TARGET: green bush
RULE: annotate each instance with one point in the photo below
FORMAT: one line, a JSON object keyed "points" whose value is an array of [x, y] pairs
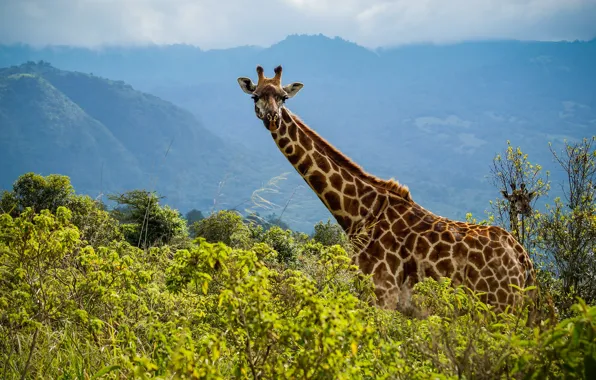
{"points": [[70, 310], [330, 234], [224, 226]]}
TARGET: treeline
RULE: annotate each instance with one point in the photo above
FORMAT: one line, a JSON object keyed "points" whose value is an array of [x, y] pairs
{"points": [[139, 291]]}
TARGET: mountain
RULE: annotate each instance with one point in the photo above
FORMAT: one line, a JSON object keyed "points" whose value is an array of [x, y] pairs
{"points": [[109, 137], [43, 130], [431, 116]]}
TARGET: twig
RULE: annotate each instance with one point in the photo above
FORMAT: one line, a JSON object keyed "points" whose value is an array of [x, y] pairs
{"points": [[33, 343]]}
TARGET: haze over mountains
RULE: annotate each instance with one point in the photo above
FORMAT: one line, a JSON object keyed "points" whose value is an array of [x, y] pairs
{"points": [[433, 117]]}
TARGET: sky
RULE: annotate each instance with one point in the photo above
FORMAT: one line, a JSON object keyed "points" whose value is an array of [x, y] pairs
{"points": [[216, 24]]}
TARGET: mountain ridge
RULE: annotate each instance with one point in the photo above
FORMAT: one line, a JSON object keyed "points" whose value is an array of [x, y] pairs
{"points": [[431, 116]]}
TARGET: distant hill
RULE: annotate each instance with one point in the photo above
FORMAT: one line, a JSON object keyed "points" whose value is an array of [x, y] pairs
{"points": [[432, 116], [43, 130], [109, 137]]}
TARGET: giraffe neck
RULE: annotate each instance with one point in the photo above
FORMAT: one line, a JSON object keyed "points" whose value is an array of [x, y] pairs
{"points": [[348, 192]]}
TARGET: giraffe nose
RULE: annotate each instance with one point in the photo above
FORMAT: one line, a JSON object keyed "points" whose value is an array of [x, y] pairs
{"points": [[272, 116]]}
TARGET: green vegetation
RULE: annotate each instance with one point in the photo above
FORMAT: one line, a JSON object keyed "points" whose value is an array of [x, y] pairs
{"points": [[84, 295]]}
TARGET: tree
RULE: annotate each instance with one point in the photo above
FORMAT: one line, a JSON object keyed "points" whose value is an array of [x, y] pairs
{"points": [[193, 215], [38, 192], [568, 228], [224, 226], [330, 234], [145, 223]]}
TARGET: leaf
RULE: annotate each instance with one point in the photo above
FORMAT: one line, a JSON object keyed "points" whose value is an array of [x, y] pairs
{"points": [[105, 370], [354, 348]]}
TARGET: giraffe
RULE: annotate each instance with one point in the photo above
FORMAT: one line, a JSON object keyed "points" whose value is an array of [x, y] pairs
{"points": [[519, 207], [397, 240]]}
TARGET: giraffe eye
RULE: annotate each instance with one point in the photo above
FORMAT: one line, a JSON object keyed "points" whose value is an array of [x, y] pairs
{"points": [[255, 98]]}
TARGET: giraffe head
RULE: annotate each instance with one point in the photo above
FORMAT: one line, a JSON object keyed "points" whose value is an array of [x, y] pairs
{"points": [[269, 95], [520, 199]]}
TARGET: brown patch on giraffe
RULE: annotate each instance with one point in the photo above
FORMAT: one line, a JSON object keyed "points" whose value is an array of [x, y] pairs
{"points": [[304, 140], [363, 211], [399, 227], [292, 131], [487, 252], [482, 285], [286, 116], [483, 239], [274, 135], [350, 190], [298, 153], [335, 181], [473, 243], [472, 274], [321, 161], [429, 271], [283, 129], [447, 237], [318, 181], [477, 259], [457, 279], [502, 296], [283, 142], [410, 270], [459, 252], [376, 250], [392, 261], [392, 214], [333, 200], [510, 299], [432, 237], [486, 272], [368, 199], [361, 188], [377, 232], [388, 241], [365, 263], [494, 244], [422, 247], [492, 282], [380, 294], [289, 150], [304, 165], [506, 261], [350, 205], [344, 221], [445, 267], [408, 246], [345, 175], [438, 226]]}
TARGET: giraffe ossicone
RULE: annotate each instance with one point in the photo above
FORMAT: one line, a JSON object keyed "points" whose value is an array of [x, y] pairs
{"points": [[396, 240]]}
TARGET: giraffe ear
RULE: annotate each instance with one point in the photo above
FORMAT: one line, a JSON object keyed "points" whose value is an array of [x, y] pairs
{"points": [[505, 195], [292, 89], [247, 85], [531, 195]]}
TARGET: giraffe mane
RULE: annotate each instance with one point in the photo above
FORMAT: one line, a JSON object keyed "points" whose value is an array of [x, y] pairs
{"points": [[343, 161]]}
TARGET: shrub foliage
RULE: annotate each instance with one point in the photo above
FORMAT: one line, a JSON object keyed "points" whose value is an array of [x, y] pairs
{"points": [[276, 306]]}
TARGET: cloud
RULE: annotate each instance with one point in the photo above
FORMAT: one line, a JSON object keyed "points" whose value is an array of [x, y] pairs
{"points": [[226, 23]]}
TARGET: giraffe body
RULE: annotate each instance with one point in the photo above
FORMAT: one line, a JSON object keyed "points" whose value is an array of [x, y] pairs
{"points": [[397, 241]]}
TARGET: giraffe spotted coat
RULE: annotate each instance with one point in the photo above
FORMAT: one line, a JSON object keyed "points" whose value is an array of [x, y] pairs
{"points": [[397, 241]]}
